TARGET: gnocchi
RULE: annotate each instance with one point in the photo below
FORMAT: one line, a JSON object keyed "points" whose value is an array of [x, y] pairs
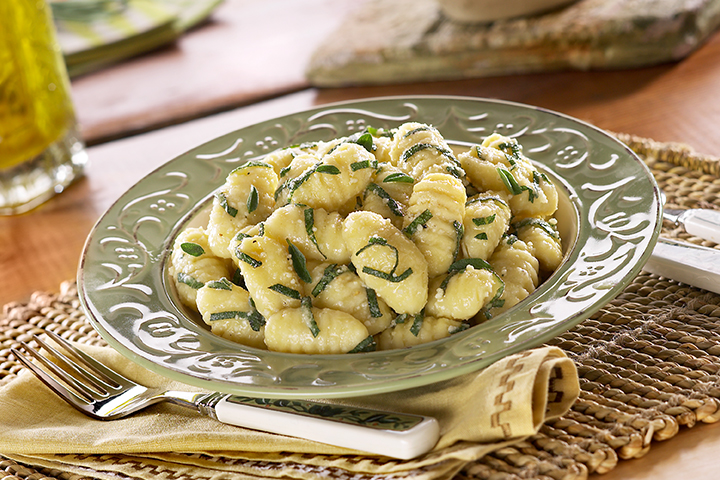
{"points": [[381, 240]]}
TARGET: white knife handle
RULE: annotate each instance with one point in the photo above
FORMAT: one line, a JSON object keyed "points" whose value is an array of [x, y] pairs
{"points": [[703, 223], [391, 434], [687, 263]]}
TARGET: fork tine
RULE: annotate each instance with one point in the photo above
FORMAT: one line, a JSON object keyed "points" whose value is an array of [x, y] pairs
{"points": [[108, 376], [94, 387], [76, 399]]}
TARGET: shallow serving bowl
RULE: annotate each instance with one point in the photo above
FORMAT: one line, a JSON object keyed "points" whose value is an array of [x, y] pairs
{"points": [[609, 218]]}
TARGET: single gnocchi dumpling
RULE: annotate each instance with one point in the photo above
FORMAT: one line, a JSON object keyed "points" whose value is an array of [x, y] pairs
{"points": [[419, 149], [535, 197], [315, 331], [518, 269], [192, 264], [300, 165], [464, 291], [295, 223], [246, 198], [269, 275], [416, 330], [498, 165], [281, 159], [487, 218], [543, 241], [434, 220], [339, 178], [336, 286], [228, 310], [387, 261], [389, 193]]}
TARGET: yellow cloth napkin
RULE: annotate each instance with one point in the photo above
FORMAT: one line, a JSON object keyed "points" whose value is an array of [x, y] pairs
{"points": [[478, 413]]}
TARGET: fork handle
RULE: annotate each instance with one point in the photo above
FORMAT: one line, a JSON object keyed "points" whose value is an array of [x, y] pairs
{"points": [[391, 434]]}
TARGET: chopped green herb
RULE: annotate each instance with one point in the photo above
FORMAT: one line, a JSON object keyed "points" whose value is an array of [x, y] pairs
{"points": [[459, 232], [366, 141], [390, 277], [255, 319], [306, 305], [490, 198], [330, 273], [253, 199], [249, 165], [373, 304], [484, 220], [418, 147], [510, 182], [401, 318], [284, 171], [394, 206], [189, 281], [287, 291], [238, 278], [496, 301], [513, 186], [309, 215], [367, 345], [241, 236], [481, 236], [460, 266], [476, 263], [421, 219], [460, 328], [228, 315], [398, 177], [299, 262], [192, 249], [232, 211], [380, 132], [539, 223], [329, 169], [455, 171], [512, 152], [222, 284], [417, 323], [355, 166], [279, 190], [424, 128], [247, 258]]}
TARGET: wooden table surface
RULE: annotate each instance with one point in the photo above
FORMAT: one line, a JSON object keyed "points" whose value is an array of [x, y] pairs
{"points": [[250, 70]]}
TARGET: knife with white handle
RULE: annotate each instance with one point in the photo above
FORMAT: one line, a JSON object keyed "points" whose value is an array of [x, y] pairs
{"points": [[701, 222], [687, 263], [392, 434]]}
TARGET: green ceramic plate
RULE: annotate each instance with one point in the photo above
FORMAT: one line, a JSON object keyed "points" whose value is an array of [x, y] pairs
{"points": [[609, 218]]}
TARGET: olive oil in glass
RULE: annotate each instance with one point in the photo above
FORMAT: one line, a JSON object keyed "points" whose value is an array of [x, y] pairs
{"points": [[41, 151]]}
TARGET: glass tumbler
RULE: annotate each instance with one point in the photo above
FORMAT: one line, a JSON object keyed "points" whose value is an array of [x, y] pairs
{"points": [[41, 151]]}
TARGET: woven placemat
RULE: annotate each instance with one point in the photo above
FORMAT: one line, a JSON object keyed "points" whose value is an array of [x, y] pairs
{"points": [[648, 361]]}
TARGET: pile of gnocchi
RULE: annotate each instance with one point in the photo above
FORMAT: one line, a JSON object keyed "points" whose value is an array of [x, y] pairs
{"points": [[381, 240]]}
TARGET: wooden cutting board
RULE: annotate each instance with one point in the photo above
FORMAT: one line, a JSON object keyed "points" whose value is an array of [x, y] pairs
{"points": [[390, 41]]}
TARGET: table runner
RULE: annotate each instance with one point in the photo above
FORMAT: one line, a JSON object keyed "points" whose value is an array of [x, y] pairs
{"points": [[648, 362]]}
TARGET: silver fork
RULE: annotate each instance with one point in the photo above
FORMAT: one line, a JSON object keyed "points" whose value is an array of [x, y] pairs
{"points": [[104, 394]]}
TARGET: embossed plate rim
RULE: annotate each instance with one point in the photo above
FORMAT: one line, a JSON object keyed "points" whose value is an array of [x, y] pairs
{"points": [[128, 302]]}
